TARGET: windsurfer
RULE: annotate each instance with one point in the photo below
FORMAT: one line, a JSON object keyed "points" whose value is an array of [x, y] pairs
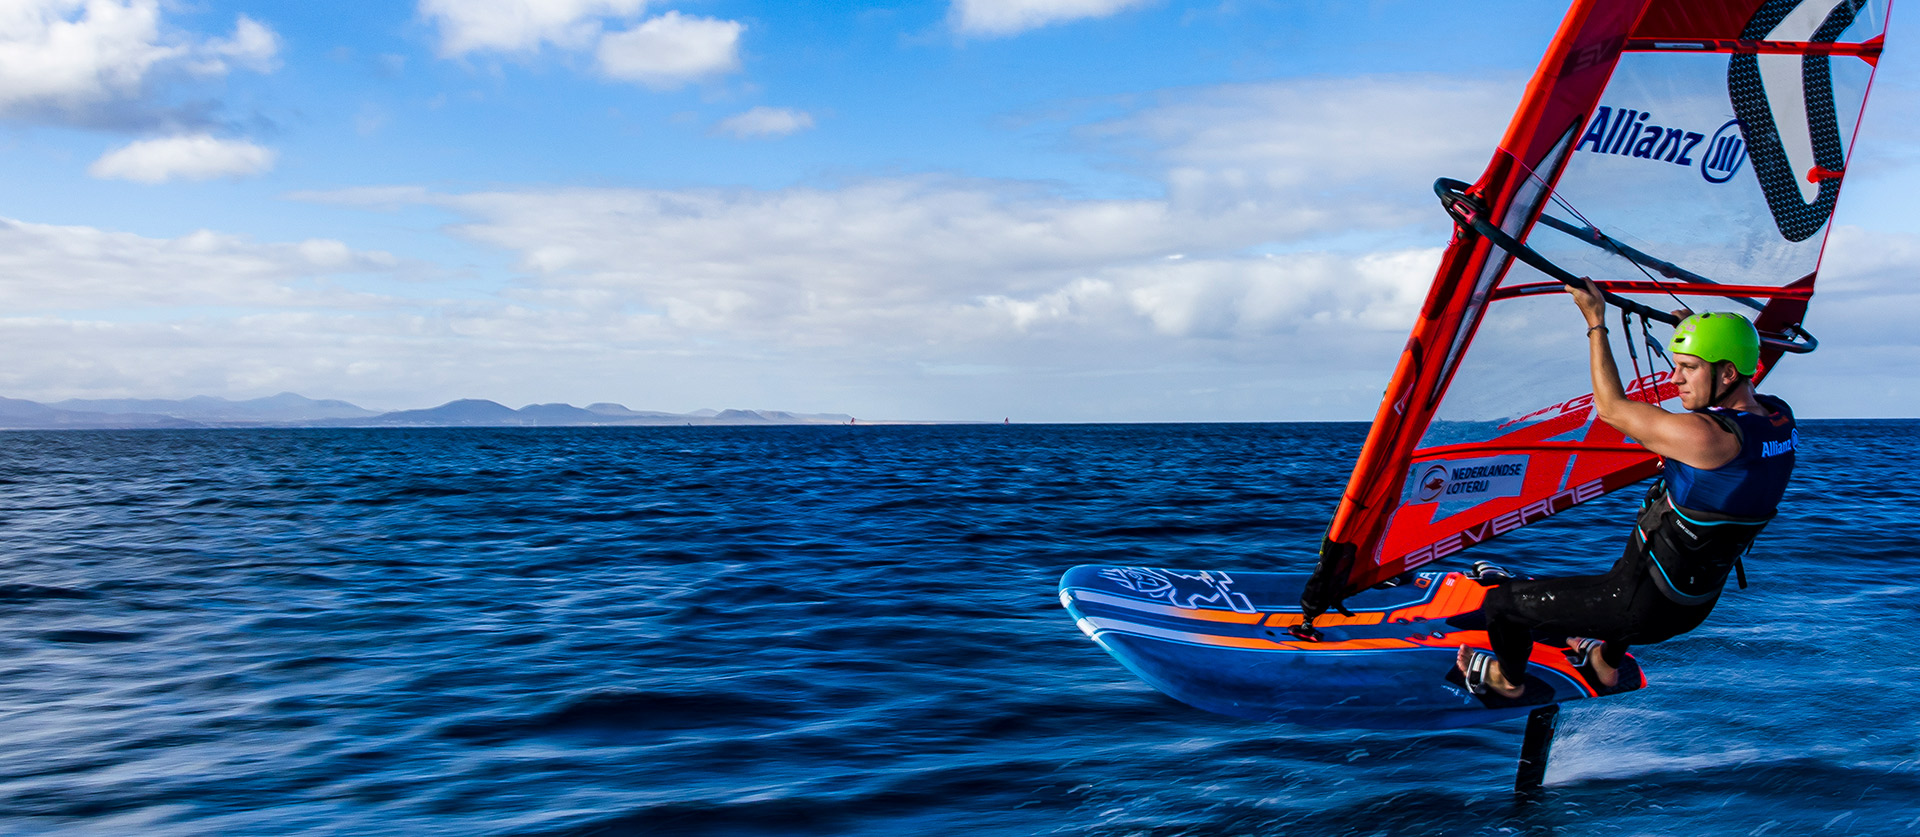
{"points": [[1726, 465]]}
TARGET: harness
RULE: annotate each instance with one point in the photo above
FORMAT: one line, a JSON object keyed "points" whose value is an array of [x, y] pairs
{"points": [[1692, 551]]}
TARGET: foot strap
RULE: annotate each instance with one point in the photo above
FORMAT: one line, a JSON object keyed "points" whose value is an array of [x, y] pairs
{"points": [[1477, 672], [1581, 651]]}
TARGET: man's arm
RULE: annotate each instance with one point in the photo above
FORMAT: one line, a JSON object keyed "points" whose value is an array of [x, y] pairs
{"points": [[1689, 437]]}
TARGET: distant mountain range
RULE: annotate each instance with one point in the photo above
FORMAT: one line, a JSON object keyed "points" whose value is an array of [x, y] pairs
{"points": [[290, 410]]}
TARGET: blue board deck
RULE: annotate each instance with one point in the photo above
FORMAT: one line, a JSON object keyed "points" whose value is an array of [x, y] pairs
{"points": [[1219, 641]]}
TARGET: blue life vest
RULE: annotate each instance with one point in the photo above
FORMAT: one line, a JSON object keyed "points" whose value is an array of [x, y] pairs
{"points": [[1751, 485], [1696, 522]]}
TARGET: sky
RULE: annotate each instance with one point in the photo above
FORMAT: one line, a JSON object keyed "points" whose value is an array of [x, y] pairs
{"points": [[1040, 210]]}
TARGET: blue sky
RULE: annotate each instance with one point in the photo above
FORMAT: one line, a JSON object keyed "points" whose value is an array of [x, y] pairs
{"points": [[1049, 210]]}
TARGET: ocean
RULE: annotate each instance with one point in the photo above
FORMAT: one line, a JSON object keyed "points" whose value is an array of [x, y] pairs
{"points": [[849, 631]]}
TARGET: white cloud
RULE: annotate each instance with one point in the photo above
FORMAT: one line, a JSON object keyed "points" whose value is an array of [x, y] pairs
{"points": [[1306, 238], [886, 239], [185, 157], [888, 265], [91, 312], [45, 269], [382, 198], [73, 61], [521, 25], [662, 52], [766, 122], [253, 46], [1009, 17], [878, 296], [1359, 151], [1237, 298], [67, 52], [671, 50]]}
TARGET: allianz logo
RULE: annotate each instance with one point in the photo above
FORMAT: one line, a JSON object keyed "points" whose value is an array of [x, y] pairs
{"points": [[1628, 132], [1776, 448]]}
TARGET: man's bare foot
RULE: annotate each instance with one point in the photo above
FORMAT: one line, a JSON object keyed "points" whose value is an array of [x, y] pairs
{"points": [[1496, 681], [1607, 675]]}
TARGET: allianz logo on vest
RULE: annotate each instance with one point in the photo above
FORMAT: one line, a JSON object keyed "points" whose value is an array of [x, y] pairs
{"points": [[1627, 132], [1791, 443]]}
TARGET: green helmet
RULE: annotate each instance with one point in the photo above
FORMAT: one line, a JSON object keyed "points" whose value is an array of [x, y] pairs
{"points": [[1717, 336]]}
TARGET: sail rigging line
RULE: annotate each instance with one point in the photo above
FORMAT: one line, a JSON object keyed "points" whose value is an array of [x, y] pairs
{"points": [[1593, 235], [1473, 220], [1626, 328], [1654, 348], [1453, 196], [1744, 295], [1612, 244]]}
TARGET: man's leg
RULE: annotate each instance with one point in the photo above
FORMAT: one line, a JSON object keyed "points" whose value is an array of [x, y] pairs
{"points": [[1606, 659], [1588, 605]]}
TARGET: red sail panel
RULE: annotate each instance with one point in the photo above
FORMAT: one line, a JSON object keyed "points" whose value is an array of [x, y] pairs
{"points": [[1659, 149]]}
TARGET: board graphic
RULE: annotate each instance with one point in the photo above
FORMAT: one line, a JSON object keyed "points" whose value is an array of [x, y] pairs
{"points": [[1219, 641]]}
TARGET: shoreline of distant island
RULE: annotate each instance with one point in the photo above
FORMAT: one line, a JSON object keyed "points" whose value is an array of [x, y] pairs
{"points": [[291, 410], [288, 410]]}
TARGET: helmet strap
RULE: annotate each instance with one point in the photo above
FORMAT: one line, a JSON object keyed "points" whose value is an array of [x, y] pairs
{"points": [[1713, 387]]}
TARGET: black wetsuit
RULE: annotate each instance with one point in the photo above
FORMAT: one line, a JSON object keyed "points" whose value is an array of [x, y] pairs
{"points": [[1692, 528]]}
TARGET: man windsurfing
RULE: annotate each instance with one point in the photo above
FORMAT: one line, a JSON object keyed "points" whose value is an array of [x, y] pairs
{"points": [[1726, 464]]}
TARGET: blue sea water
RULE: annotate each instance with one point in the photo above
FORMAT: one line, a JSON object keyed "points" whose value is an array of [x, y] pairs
{"points": [[847, 631]]}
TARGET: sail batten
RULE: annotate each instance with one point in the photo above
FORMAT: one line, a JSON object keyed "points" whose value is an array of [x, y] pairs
{"points": [[1681, 153], [1734, 293]]}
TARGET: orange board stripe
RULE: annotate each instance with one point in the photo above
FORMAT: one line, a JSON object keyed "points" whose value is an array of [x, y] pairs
{"points": [[1330, 620]]}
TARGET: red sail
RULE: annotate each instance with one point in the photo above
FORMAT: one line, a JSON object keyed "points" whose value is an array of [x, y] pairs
{"points": [[1683, 153]]}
